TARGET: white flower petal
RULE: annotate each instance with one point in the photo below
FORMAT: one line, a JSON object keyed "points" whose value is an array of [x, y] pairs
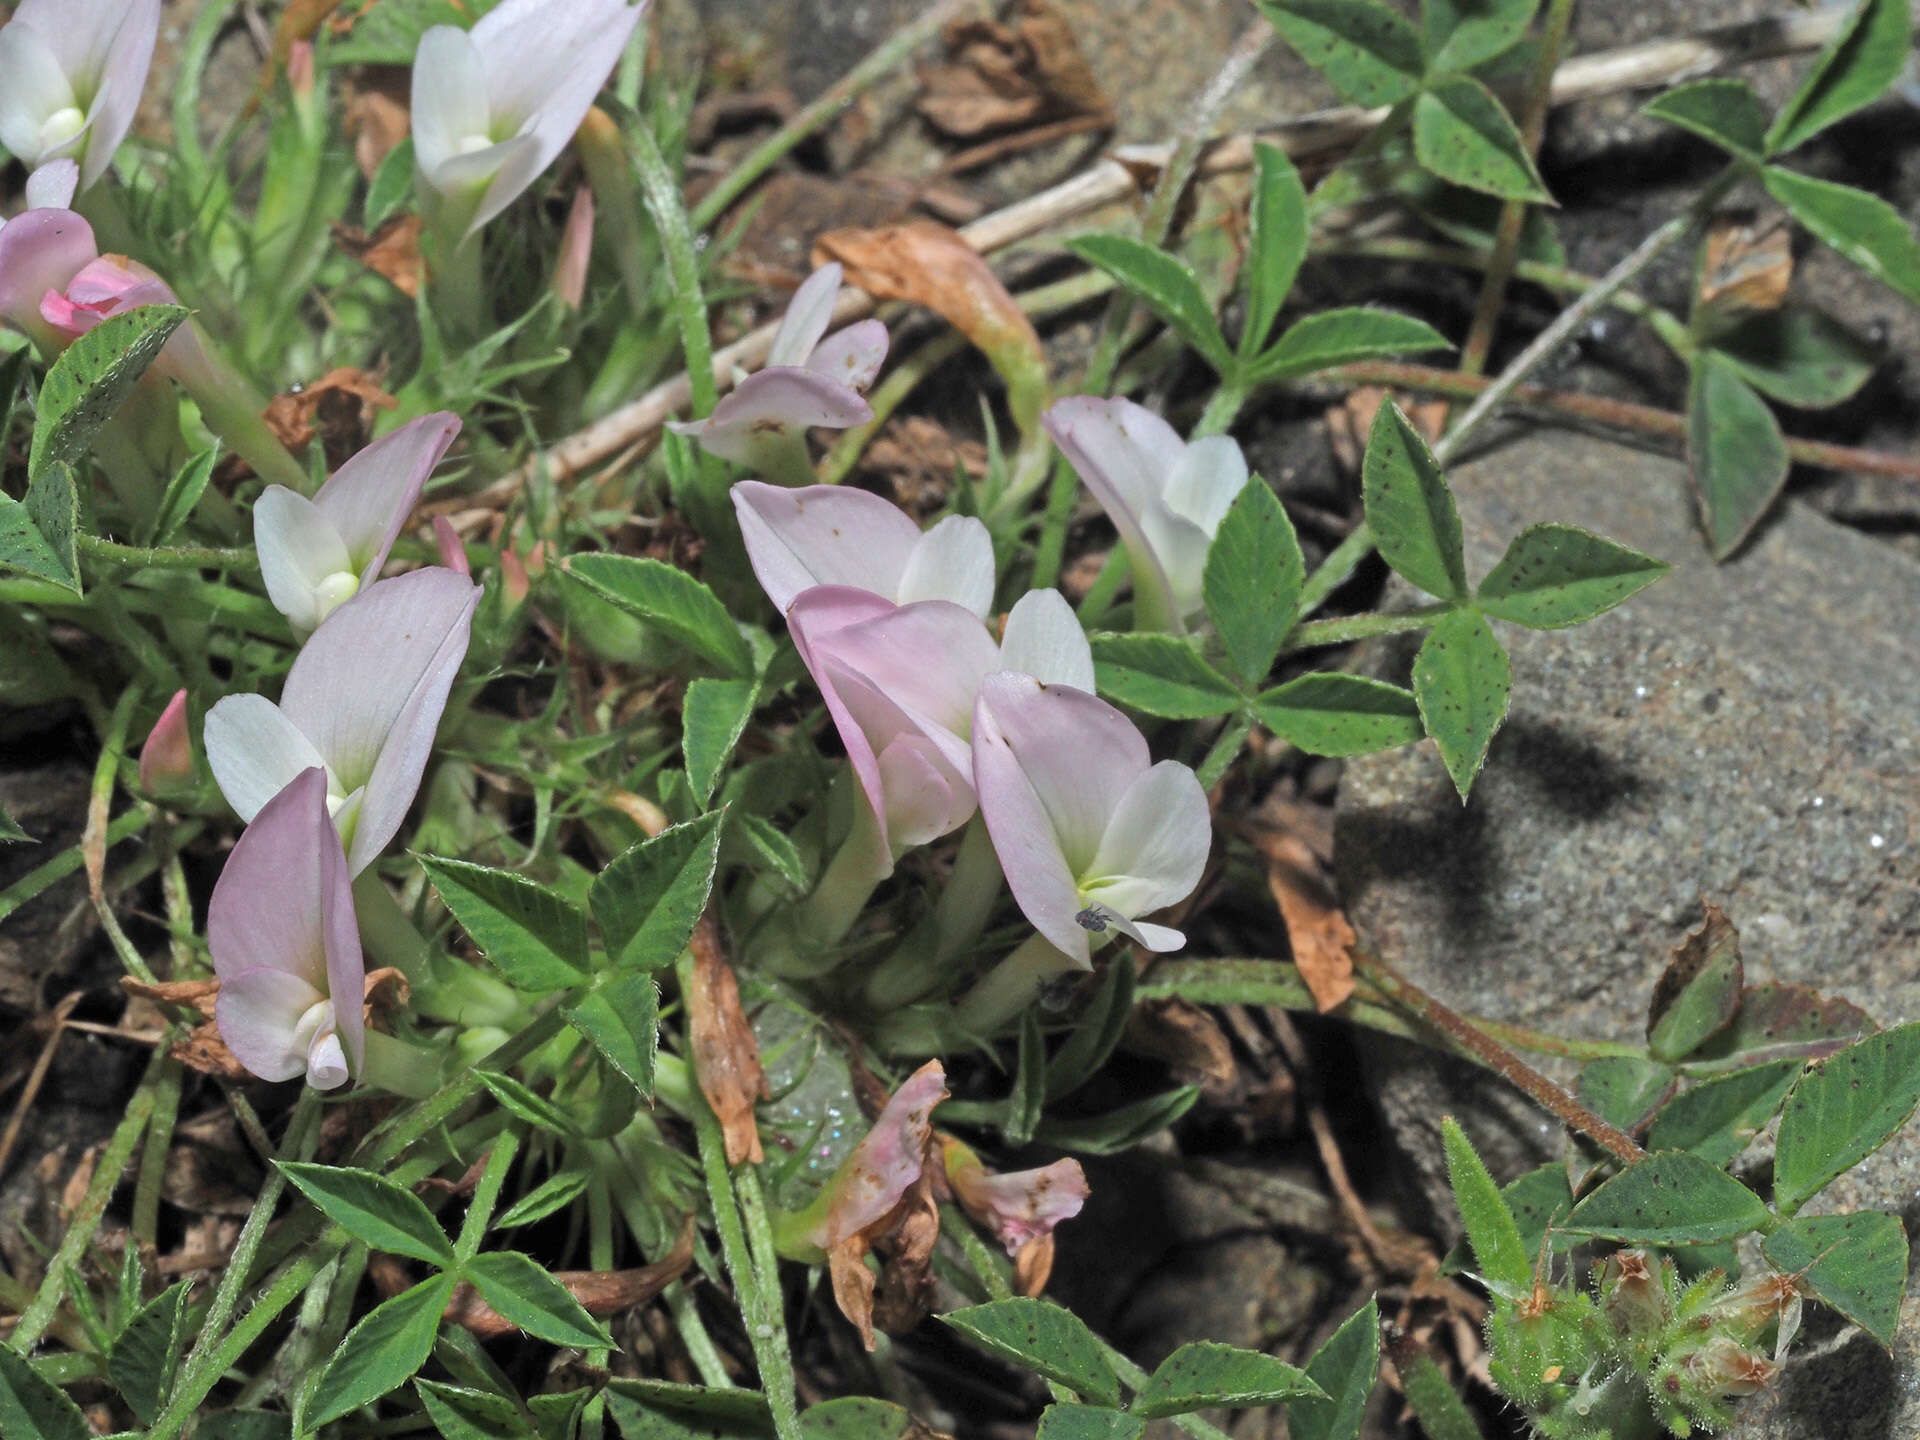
{"points": [[300, 550], [1206, 482], [449, 99], [259, 1011], [33, 86], [255, 751], [952, 561], [1043, 639], [1157, 839], [52, 185], [121, 74], [822, 535]]}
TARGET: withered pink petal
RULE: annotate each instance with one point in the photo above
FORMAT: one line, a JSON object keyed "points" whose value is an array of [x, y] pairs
{"points": [[1021, 1205], [852, 356], [885, 1165]]}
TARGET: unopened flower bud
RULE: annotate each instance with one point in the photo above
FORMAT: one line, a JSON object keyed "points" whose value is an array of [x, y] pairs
{"points": [[1724, 1369], [300, 70], [166, 760], [1757, 1306], [1634, 1294], [569, 282], [453, 551]]}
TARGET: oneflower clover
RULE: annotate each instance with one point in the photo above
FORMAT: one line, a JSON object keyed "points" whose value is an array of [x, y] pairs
{"points": [[1091, 833], [1164, 495], [494, 106], [315, 554], [362, 703], [71, 73], [41, 250], [807, 381], [834, 535], [285, 945]]}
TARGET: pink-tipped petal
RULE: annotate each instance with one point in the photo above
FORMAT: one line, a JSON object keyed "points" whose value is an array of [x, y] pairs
{"points": [[453, 550], [952, 561], [168, 754], [270, 905], [927, 659], [817, 614], [52, 185], [255, 750], [1043, 639], [1078, 752], [823, 535], [1155, 845], [369, 687], [1122, 451], [260, 1012], [853, 356], [300, 552], [40, 253], [887, 1163], [122, 75], [771, 401], [1022, 1205], [369, 498], [808, 315], [1043, 884]]}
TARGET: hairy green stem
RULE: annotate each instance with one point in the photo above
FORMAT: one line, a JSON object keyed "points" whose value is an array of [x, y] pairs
{"points": [[140, 557], [662, 194], [486, 1194], [1345, 628], [1334, 571]]}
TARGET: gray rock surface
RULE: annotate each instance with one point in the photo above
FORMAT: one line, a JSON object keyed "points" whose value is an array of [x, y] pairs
{"points": [[1748, 732]]}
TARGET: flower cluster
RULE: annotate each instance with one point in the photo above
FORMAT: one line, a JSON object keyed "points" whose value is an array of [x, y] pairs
{"points": [[939, 719], [326, 776]]}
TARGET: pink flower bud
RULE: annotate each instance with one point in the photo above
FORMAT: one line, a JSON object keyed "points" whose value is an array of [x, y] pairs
{"points": [[453, 551], [300, 69], [576, 250], [167, 757], [514, 582], [1018, 1207]]}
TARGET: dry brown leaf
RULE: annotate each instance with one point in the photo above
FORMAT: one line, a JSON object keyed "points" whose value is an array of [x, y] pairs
{"points": [[1033, 1266], [1317, 929], [338, 407], [1006, 75], [930, 265], [1190, 1041], [377, 121], [203, 1050], [600, 1292], [1746, 264], [726, 1057], [905, 1294], [392, 251], [174, 992]]}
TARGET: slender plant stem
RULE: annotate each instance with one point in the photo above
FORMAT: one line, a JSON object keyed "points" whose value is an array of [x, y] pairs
{"points": [[830, 105], [486, 1194], [1345, 628], [1478, 1043], [766, 1327], [1224, 750], [107, 1169], [233, 1279], [1222, 410], [1334, 571], [1569, 321], [145, 1224], [1513, 214], [140, 557], [662, 193]]}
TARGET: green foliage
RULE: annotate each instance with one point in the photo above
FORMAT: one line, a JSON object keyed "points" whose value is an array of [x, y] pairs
{"points": [[1721, 109], [1277, 241], [1410, 509], [1334, 714], [532, 936], [713, 717], [1735, 451], [1862, 227], [1553, 576], [1853, 71], [1799, 357], [1344, 1368], [671, 600], [1162, 283], [1204, 1374], [1842, 1110], [1464, 135], [646, 902], [1856, 1263], [373, 1210], [382, 1352], [1462, 681], [145, 1353], [1043, 1338], [620, 1016], [33, 1408], [1497, 1247], [1460, 34], [1669, 1198], [1368, 53], [525, 1294], [1340, 337], [1252, 580], [1087, 1422], [1161, 675], [1718, 1118]]}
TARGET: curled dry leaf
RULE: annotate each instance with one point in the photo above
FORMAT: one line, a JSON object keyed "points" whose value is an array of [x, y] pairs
{"points": [[1002, 76], [197, 993], [726, 1057], [904, 1295], [1317, 929], [392, 251], [1351, 421], [600, 1292], [203, 1050], [338, 407], [1746, 264], [930, 265], [1033, 1266], [377, 121], [1192, 1044]]}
